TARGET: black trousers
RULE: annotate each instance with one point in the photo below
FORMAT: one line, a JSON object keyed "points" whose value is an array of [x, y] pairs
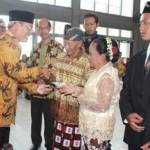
{"points": [[133, 147], [4, 135], [41, 107]]}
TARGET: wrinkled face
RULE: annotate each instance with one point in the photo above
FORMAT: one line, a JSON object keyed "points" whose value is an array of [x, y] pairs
{"points": [[90, 25], [72, 48], [23, 30], [2, 30], [95, 58], [145, 27], [44, 30]]}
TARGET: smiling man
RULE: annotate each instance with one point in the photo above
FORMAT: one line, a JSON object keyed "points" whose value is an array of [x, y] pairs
{"points": [[12, 73]]}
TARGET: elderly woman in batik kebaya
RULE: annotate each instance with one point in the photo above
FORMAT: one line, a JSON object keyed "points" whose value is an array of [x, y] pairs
{"points": [[99, 97]]}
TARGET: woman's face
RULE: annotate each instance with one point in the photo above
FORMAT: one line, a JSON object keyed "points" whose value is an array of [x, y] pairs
{"points": [[96, 59]]}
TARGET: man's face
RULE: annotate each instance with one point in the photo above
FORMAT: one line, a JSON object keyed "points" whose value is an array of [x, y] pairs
{"points": [[72, 48], [23, 30], [90, 25], [44, 30], [2, 30], [145, 26]]}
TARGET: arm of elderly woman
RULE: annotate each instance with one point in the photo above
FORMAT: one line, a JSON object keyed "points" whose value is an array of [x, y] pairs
{"points": [[104, 95]]}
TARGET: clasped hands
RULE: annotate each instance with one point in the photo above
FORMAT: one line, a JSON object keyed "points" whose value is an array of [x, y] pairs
{"points": [[135, 121]]}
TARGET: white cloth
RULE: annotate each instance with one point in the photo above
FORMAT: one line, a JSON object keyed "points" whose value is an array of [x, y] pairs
{"points": [[93, 122], [147, 53]]}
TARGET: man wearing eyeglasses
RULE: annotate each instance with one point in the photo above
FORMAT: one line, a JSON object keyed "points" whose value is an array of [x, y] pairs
{"points": [[135, 95], [13, 74]]}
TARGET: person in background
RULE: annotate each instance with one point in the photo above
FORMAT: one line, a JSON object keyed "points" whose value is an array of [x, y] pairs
{"points": [[2, 27], [66, 28], [99, 97], [135, 95], [120, 65], [71, 66], [90, 24], [12, 74], [42, 55]]}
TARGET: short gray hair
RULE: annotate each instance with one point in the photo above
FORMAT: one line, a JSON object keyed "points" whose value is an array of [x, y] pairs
{"points": [[11, 23]]}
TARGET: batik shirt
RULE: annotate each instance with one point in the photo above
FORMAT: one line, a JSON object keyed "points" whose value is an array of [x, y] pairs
{"points": [[12, 73], [74, 71]]}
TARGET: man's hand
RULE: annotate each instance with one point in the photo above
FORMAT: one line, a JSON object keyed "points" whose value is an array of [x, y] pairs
{"points": [[45, 73], [44, 89], [134, 120], [146, 146]]}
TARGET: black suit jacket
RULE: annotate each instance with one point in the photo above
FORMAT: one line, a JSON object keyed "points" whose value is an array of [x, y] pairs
{"points": [[135, 97]]}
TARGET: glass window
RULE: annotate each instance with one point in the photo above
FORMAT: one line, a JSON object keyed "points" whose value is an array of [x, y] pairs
{"points": [[59, 27], [81, 27], [142, 4], [125, 49], [60, 40], [127, 8], [126, 33], [26, 46], [115, 7], [113, 32], [38, 39], [101, 6], [65, 3], [102, 30], [5, 19], [52, 2], [29, 0], [87, 4]]}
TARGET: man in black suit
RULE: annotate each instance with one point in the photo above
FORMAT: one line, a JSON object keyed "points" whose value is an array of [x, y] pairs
{"points": [[135, 95]]}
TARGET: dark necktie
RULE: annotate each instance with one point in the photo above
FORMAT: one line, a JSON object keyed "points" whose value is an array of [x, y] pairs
{"points": [[147, 66]]}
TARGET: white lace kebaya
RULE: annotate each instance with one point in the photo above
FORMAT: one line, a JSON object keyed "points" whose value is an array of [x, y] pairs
{"points": [[98, 103]]}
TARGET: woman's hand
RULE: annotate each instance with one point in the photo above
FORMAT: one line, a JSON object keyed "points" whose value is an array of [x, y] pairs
{"points": [[67, 89]]}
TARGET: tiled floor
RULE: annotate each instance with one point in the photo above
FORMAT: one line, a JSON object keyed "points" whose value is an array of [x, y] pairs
{"points": [[20, 133]]}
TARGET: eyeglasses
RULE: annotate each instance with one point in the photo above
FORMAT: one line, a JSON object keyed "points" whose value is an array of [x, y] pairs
{"points": [[28, 27]]}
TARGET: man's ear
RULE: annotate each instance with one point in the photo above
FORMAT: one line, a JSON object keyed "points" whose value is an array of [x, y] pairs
{"points": [[98, 24]]}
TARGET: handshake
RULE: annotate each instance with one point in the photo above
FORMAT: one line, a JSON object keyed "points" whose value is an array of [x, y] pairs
{"points": [[45, 77]]}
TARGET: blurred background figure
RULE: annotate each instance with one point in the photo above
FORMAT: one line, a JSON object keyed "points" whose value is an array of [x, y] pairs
{"points": [[42, 55], [66, 28], [90, 24], [2, 27]]}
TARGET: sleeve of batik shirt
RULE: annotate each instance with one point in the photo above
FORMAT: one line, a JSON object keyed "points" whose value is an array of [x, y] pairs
{"points": [[12, 68], [29, 87], [33, 57], [87, 71], [104, 95]]}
